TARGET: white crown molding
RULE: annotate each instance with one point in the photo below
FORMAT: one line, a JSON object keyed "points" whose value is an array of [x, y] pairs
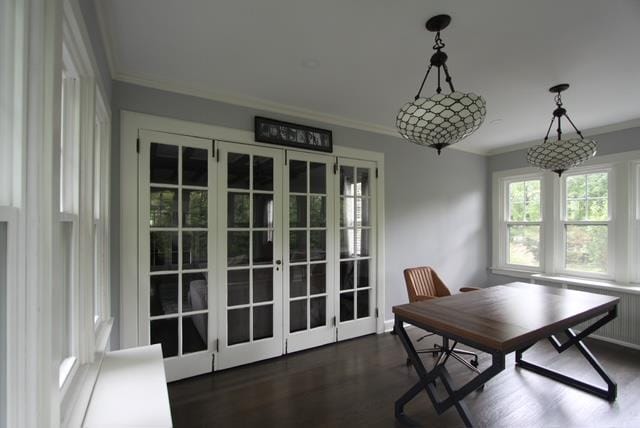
{"points": [[598, 130], [261, 104], [107, 43]]}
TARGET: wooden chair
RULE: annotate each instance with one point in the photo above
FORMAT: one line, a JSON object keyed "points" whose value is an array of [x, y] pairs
{"points": [[423, 283]]}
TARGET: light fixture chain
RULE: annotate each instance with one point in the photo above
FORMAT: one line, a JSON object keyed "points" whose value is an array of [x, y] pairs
{"points": [[448, 78], [546, 137], [423, 81], [574, 126]]}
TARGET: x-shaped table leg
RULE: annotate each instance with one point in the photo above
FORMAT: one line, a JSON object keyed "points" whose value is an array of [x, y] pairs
{"points": [[426, 381]]}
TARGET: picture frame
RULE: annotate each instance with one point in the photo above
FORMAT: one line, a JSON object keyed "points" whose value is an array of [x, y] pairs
{"points": [[292, 135]]}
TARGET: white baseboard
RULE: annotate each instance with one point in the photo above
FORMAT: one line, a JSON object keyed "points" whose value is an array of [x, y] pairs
{"points": [[615, 341], [388, 325]]}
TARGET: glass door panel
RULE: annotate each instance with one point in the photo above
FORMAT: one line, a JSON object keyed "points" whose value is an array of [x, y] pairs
{"points": [[308, 251], [176, 232], [355, 274], [250, 226]]}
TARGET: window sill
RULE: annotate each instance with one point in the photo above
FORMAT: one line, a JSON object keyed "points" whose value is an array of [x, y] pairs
{"points": [[76, 399], [599, 284], [588, 282]]}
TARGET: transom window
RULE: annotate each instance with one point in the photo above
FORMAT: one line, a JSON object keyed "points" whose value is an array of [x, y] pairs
{"points": [[524, 223], [586, 222]]}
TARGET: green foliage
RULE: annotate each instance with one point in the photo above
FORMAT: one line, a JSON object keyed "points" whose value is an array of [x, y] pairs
{"points": [[586, 248], [524, 201], [524, 245], [194, 208], [163, 207], [238, 209], [588, 197]]}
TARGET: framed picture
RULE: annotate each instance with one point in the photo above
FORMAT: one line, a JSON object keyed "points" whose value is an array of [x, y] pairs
{"points": [[289, 134]]}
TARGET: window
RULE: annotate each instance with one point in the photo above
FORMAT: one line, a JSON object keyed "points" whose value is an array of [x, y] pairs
{"points": [[69, 199], [586, 223], [524, 223], [518, 225]]}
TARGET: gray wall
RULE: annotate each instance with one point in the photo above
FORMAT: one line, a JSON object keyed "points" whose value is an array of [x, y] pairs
{"points": [[88, 9], [3, 322], [436, 207], [608, 143]]}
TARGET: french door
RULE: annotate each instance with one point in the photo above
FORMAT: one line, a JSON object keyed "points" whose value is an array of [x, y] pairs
{"points": [[355, 248], [177, 223], [308, 269], [250, 253]]}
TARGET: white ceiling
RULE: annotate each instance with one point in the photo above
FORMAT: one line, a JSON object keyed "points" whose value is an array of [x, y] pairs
{"points": [[358, 61]]}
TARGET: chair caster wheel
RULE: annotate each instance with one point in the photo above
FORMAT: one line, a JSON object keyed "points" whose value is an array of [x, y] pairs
{"points": [[474, 363]]}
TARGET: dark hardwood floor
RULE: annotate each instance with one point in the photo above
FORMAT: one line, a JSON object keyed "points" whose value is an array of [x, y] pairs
{"points": [[355, 383]]}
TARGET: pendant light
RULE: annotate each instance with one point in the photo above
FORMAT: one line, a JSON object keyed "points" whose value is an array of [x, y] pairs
{"points": [[441, 119], [560, 155]]}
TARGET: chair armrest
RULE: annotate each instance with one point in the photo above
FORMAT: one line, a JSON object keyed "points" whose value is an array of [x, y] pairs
{"points": [[423, 298], [465, 289]]}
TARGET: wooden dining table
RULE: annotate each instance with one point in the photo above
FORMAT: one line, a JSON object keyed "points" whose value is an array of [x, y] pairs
{"points": [[499, 320]]}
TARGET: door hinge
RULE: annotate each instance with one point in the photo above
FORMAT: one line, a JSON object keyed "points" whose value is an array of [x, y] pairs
{"points": [[285, 157], [213, 148], [376, 172], [333, 321], [217, 155], [213, 362], [286, 346], [217, 345], [335, 168], [138, 145], [336, 334], [377, 313]]}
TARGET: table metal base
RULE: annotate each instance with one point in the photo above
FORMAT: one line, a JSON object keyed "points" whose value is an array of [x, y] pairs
{"points": [[610, 393], [427, 380]]}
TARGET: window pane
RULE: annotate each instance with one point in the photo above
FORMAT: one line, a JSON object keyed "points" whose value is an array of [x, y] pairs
{"points": [[298, 246], [586, 248], [263, 210], [262, 173], [362, 182], [347, 181], [576, 210], [298, 315], [163, 295], [238, 209], [598, 209], [238, 326], [598, 185], [298, 281], [297, 211], [318, 210], [262, 322], [576, 186], [346, 306], [318, 279], [194, 250], [237, 287], [516, 191], [194, 208], [194, 167], [194, 333], [238, 171], [318, 245], [317, 177], [524, 245], [194, 292], [516, 211], [318, 312], [298, 177], [164, 251], [238, 248], [262, 285], [262, 247], [165, 332], [163, 163], [163, 206]]}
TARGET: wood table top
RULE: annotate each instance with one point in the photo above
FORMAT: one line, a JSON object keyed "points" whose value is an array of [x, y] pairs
{"points": [[507, 317]]}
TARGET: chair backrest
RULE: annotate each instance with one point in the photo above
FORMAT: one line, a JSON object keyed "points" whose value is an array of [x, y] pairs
{"points": [[424, 281]]}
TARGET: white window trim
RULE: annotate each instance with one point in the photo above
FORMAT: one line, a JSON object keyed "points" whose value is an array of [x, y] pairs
{"points": [[611, 224], [624, 226], [500, 216]]}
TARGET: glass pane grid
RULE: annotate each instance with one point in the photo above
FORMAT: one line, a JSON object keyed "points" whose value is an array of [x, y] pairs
{"points": [[169, 329], [253, 321]]}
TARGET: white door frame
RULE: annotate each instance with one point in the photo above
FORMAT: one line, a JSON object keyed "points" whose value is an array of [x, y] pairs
{"points": [[130, 125]]}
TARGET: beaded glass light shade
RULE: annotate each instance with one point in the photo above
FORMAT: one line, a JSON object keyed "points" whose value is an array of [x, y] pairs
{"points": [[442, 119], [561, 155]]}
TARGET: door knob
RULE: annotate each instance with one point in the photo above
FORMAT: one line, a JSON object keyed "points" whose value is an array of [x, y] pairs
{"points": [[278, 262]]}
